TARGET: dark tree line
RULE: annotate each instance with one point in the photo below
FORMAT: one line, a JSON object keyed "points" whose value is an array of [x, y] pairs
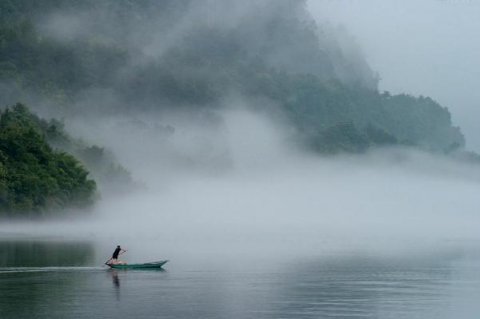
{"points": [[34, 177]]}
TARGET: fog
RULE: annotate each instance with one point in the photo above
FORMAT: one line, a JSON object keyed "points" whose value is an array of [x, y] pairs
{"points": [[421, 47], [191, 41], [266, 200], [229, 180]]}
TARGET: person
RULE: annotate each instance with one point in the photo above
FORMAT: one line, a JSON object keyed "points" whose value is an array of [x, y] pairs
{"points": [[116, 253]]}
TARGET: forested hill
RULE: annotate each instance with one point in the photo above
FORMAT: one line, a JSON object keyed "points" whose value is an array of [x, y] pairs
{"points": [[123, 56], [43, 169], [35, 178]]}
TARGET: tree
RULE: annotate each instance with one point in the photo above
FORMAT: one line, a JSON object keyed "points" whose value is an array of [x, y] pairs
{"points": [[33, 177]]}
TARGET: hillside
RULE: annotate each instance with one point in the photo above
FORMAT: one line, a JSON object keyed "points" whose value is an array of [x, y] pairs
{"points": [[34, 178], [106, 57]]}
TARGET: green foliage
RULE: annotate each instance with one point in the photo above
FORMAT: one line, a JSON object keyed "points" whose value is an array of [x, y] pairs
{"points": [[272, 53], [100, 163], [345, 137], [317, 106], [33, 177], [342, 137], [35, 65]]}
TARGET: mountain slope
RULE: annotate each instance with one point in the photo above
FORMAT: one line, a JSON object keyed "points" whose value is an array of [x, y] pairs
{"points": [[109, 56]]}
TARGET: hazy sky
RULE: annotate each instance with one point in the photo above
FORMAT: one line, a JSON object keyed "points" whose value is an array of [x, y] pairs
{"points": [[428, 47]]}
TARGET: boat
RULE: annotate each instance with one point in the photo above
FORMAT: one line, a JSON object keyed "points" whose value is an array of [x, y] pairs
{"points": [[150, 265]]}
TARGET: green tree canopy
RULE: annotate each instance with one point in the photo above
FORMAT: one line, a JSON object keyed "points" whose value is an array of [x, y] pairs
{"points": [[34, 178]]}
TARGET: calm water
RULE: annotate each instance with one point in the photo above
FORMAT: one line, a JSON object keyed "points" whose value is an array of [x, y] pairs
{"points": [[48, 279]]}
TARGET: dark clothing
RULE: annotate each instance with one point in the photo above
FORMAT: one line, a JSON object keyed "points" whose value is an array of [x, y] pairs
{"points": [[116, 253]]}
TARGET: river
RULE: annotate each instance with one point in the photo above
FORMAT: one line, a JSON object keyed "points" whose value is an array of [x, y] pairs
{"points": [[42, 278]]}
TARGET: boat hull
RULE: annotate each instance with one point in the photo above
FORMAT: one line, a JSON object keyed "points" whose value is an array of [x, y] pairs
{"points": [[151, 265]]}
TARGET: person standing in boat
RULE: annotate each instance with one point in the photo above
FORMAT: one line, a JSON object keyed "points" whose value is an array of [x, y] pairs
{"points": [[118, 251]]}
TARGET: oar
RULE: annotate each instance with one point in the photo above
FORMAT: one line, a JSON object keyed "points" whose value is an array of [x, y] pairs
{"points": [[121, 253], [106, 263]]}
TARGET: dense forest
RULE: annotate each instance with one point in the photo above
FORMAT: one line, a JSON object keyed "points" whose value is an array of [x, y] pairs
{"points": [[33, 176], [44, 169], [101, 57]]}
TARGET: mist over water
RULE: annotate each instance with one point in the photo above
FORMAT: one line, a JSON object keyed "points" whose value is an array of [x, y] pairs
{"points": [[251, 195], [222, 113]]}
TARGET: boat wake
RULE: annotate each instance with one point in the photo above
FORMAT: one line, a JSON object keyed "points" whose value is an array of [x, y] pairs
{"points": [[46, 269]]}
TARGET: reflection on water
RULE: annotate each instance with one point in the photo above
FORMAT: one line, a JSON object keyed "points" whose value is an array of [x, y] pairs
{"points": [[45, 253], [443, 285], [116, 283], [115, 279], [24, 266]]}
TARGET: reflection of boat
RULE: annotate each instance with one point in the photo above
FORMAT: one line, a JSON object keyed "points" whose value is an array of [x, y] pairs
{"points": [[151, 265]]}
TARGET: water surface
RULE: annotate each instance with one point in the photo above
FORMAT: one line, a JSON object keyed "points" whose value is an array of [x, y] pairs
{"points": [[68, 281]]}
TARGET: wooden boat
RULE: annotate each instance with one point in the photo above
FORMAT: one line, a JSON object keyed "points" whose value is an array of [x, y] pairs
{"points": [[151, 265]]}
